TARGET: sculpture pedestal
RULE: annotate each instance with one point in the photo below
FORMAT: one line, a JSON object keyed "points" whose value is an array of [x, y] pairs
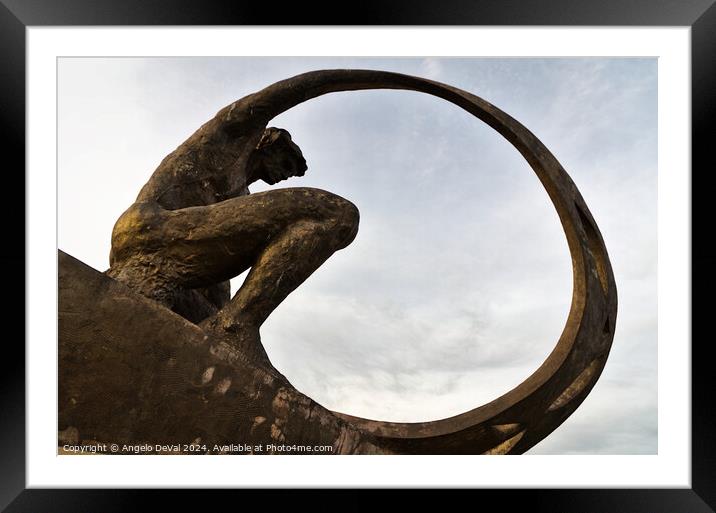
{"points": [[135, 374], [132, 372]]}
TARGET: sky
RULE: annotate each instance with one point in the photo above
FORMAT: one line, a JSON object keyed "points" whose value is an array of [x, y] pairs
{"points": [[458, 284]]}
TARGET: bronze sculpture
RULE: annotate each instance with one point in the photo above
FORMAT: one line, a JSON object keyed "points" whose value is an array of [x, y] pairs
{"points": [[193, 227]]}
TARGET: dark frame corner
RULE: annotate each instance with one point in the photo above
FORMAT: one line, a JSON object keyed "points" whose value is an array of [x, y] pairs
{"points": [[700, 15]]}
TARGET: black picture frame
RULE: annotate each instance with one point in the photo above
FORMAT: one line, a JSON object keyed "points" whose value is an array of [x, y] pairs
{"points": [[699, 15]]}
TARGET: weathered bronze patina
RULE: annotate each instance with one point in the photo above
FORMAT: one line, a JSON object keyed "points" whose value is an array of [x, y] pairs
{"points": [[155, 351]]}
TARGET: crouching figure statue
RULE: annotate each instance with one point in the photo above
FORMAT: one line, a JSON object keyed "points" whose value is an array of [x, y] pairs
{"points": [[194, 226]]}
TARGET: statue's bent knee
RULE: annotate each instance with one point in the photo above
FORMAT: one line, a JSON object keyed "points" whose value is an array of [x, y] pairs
{"points": [[344, 215], [348, 222]]}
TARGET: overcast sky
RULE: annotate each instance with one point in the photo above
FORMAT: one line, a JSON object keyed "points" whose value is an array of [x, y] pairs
{"points": [[458, 284]]}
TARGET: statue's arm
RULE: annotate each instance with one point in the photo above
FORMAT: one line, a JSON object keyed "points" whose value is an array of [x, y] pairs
{"points": [[209, 166]]}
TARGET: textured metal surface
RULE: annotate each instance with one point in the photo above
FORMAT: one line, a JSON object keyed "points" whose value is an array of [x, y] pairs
{"points": [[510, 424]]}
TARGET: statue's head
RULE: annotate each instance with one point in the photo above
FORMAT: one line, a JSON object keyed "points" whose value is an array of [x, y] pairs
{"points": [[277, 157]]}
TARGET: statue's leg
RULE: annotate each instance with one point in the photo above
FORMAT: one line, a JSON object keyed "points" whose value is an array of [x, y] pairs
{"points": [[283, 235]]}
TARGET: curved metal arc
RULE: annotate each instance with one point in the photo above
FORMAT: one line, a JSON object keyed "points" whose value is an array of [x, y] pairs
{"points": [[591, 300]]}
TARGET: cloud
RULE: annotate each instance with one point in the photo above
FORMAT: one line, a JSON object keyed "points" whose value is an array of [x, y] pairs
{"points": [[431, 68]]}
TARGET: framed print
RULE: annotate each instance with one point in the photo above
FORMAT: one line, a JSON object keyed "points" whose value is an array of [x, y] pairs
{"points": [[105, 104]]}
